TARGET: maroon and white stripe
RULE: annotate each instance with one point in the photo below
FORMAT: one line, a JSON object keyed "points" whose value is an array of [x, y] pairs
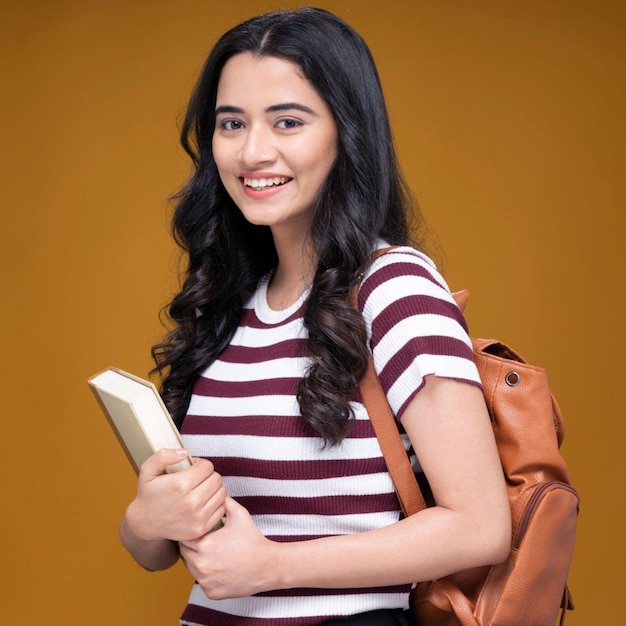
{"points": [[244, 416]]}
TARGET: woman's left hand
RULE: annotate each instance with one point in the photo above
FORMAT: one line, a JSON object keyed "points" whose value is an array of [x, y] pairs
{"points": [[234, 561]]}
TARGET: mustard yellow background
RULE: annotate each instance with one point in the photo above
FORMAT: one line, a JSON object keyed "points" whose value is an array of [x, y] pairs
{"points": [[509, 119]]}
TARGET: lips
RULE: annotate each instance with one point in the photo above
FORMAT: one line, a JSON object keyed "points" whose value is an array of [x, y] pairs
{"points": [[264, 182]]}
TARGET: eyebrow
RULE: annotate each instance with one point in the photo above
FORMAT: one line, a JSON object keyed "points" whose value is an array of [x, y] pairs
{"points": [[285, 106]]}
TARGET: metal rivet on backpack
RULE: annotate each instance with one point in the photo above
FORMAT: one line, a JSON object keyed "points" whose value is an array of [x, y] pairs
{"points": [[512, 379]]}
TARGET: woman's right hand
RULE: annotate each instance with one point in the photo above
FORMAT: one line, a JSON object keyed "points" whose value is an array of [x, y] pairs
{"points": [[181, 506]]}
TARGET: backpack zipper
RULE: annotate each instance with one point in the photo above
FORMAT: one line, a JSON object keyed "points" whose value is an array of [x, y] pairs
{"points": [[533, 503]]}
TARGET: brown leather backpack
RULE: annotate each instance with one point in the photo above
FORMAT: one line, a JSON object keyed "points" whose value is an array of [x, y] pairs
{"points": [[530, 587]]}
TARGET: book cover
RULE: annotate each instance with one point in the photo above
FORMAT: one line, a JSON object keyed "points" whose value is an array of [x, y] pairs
{"points": [[137, 415]]}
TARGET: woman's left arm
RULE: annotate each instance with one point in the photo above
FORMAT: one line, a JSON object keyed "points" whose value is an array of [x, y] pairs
{"points": [[470, 525]]}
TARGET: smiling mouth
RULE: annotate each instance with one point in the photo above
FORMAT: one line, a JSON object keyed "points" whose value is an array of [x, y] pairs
{"points": [[265, 183]]}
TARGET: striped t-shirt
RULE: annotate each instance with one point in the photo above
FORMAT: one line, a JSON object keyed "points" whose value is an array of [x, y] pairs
{"points": [[245, 418]]}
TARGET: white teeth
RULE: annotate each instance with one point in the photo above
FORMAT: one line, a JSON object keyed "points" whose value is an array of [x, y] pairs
{"points": [[262, 183]]}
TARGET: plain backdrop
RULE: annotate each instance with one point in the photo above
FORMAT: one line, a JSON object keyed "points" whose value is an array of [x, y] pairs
{"points": [[509, 120]]}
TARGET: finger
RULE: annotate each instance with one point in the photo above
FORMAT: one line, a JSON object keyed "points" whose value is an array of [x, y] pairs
{"points": [[203, 467], [218, 517], [210, 513], [200, 477], [187, 546], [233, 509], [159, 461], [209, 485]]}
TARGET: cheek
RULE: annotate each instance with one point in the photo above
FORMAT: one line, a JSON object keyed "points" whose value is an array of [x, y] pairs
{"points": [[331, 150], [328, 160], [220, 163], [218, 154], [317, 159]]}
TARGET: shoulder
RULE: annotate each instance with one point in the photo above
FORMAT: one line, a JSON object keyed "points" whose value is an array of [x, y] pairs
{"points": [[402, 272], [415, 328]]}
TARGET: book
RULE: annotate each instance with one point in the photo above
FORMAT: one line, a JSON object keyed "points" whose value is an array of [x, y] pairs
{"points": [[137, 415]]}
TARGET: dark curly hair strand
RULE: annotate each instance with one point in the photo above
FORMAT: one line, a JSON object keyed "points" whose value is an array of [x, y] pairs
{"points": [[362, 200]]}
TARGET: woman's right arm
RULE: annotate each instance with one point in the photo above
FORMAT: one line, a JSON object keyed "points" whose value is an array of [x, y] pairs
{"points": [[170, 508]]}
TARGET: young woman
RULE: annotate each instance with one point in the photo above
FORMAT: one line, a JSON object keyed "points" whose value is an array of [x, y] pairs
{"points": [[295, 186]]}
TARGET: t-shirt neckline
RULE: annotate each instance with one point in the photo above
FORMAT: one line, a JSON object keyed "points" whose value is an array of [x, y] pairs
{"points": [[268, 315]]}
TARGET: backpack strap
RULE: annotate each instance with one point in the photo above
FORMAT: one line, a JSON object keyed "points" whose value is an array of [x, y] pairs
{"points": [[385, 425], [386, 428]]}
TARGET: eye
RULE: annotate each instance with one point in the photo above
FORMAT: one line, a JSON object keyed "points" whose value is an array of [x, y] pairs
{"points": [[288, 123], [231, 125]]}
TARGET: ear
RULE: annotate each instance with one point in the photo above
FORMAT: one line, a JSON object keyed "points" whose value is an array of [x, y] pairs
{"points": [[461, 298]]}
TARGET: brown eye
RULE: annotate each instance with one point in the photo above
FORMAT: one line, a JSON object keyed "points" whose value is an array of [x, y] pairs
{"points": [[288, 124], [231, 125]]}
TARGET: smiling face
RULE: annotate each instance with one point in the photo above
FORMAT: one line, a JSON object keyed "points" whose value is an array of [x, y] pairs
{"points": [[275, 141]]}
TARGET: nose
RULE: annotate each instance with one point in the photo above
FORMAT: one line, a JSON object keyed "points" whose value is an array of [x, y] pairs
{"points": [[258, 147]]}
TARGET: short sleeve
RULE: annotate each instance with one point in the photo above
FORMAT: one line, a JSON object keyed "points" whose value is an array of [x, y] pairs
{"points": [[415, 328]]}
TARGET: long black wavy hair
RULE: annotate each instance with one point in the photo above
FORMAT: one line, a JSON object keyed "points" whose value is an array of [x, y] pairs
{"points": [[363, 198]]}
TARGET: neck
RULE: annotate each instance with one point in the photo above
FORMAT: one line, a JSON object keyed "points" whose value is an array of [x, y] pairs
{"points": [[295, 270]]}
